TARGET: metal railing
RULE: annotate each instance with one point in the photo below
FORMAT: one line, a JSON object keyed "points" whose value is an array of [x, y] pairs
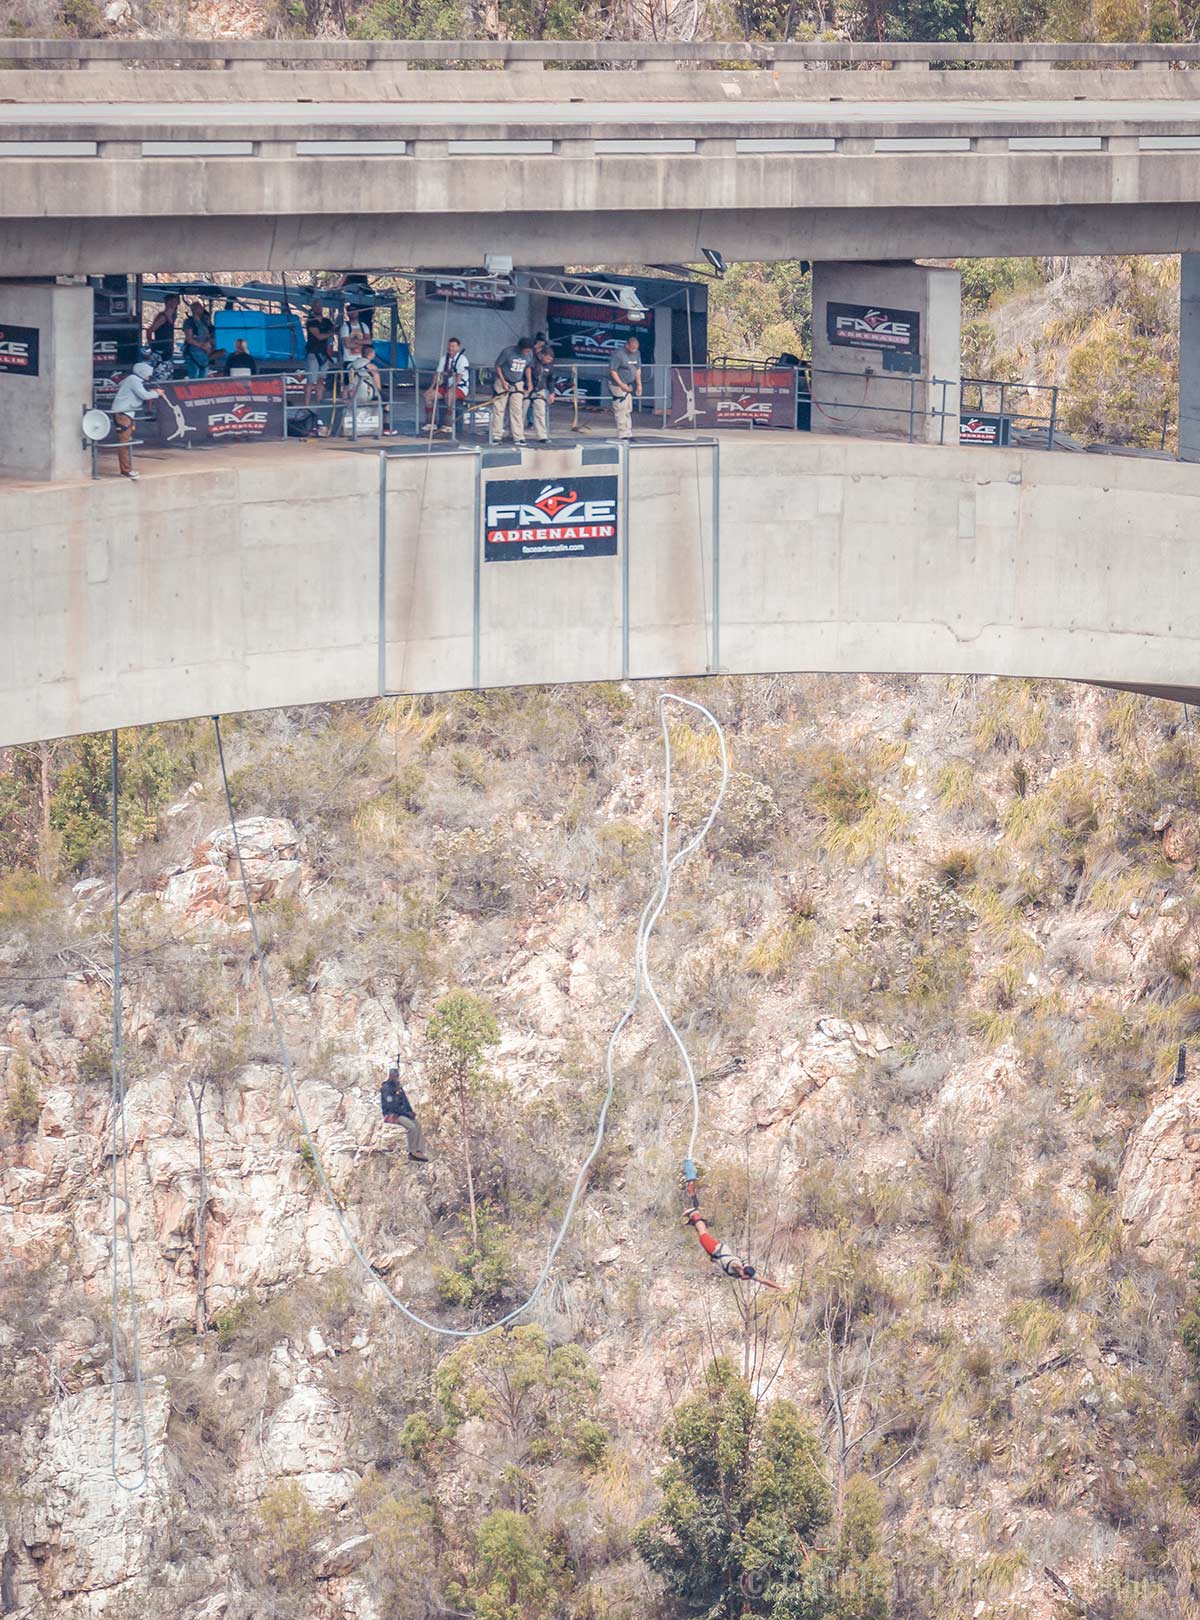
{"points": [[185, 54], [748, 395], [1020, 405]]}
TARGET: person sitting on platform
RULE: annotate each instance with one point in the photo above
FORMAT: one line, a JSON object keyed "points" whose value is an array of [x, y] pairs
{"points": [[397, 1110]]}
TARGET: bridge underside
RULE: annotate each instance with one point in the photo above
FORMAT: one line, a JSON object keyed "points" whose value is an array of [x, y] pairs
{"points": [[323, 241]]}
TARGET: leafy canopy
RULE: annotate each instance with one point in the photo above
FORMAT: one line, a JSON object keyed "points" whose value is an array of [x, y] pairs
{"points": [[745, 1503]]}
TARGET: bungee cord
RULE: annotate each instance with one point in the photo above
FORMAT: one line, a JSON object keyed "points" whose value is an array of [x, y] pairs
{"points": [[120, 1157], [643, 979]]}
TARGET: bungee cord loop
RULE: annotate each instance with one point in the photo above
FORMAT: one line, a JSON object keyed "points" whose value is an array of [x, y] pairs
{"points": [[643, 981]]}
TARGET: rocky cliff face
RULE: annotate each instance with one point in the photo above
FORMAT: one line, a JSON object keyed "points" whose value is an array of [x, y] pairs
{"points": [[935, 966]]}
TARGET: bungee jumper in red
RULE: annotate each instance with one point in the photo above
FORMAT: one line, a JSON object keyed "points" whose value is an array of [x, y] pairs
{"points": [[717, 1252], [730, 1264]]}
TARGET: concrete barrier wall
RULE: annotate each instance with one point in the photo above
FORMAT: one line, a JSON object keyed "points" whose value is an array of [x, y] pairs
{"points": [[189, 54], [255, 584], [528, 83]]}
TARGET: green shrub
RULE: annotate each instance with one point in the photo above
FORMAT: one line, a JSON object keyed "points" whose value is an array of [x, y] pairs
{"points": [[591, 1443], [23, 896], [484, 1273], [23, 1108], [840, 790], [291, 1529], [94, 1065]]}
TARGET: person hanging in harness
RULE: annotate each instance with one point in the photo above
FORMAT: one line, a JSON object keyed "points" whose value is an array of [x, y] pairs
{"points": [[716, 1251], [397, 1110]]}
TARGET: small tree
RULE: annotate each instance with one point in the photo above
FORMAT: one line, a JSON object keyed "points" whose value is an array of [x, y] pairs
{"points": [[744, 1498], [541, 1400], [513, 1577], [459, 1033]]}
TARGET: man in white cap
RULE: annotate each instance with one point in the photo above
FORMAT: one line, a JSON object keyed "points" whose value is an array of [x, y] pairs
{"points": [[131, 393]]}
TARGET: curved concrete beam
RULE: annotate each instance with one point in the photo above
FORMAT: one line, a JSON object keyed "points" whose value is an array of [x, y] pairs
{"points": [[249, 578]]}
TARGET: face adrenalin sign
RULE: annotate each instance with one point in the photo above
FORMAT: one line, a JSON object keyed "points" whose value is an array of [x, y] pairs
{"points": [[866, 326], [19, 350], [536, 517]]}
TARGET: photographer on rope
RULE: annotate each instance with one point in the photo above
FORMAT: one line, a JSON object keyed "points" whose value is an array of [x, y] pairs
{"points": [[397, 1110]]}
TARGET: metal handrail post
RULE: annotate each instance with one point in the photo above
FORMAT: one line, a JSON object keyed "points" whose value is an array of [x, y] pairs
{"points": [[416, 400], [354, 415], [383, 491], [1053, 417]]}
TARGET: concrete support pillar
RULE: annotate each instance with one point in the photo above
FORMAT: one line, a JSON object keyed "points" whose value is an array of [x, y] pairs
{"points": [[882, 334], [1189, 357], [45, 379]]}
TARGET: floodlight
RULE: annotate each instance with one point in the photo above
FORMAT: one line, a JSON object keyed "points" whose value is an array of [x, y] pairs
{"points": [[716, 259], [96, 425], [498, 264]]}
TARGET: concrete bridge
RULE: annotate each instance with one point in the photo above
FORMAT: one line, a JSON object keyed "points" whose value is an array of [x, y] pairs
{"points": [[761, 152], [271, 575]]}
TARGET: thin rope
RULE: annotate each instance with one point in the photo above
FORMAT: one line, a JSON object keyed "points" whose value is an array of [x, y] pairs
{"points": [[120, 1156], [653, 910]]}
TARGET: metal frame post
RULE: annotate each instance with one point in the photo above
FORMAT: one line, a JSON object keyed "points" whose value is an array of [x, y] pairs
{"points": [[383, 491], [1053, 417], [477, 580], [716, 559], [416, 371], [624, 468]]}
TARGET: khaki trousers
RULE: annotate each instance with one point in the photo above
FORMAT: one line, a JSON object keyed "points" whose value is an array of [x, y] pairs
{"points": [[541, 416], [513, 406], [124, 426], [623, 412], [412, 1129]]}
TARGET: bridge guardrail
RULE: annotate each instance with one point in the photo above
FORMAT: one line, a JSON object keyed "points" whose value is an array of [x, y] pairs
{"points": [[398, 139], [728, 393], [598, 55]]}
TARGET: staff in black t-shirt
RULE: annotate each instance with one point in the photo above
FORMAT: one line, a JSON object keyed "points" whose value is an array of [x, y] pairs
{"points": [[319, 334]]}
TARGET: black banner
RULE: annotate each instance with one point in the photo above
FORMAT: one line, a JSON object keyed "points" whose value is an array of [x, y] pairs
{"points": [[863, 326], [729, 397], [495, 294], [983, 428], [531, 517], [216, 408], [19, 351], [595, 332]]}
